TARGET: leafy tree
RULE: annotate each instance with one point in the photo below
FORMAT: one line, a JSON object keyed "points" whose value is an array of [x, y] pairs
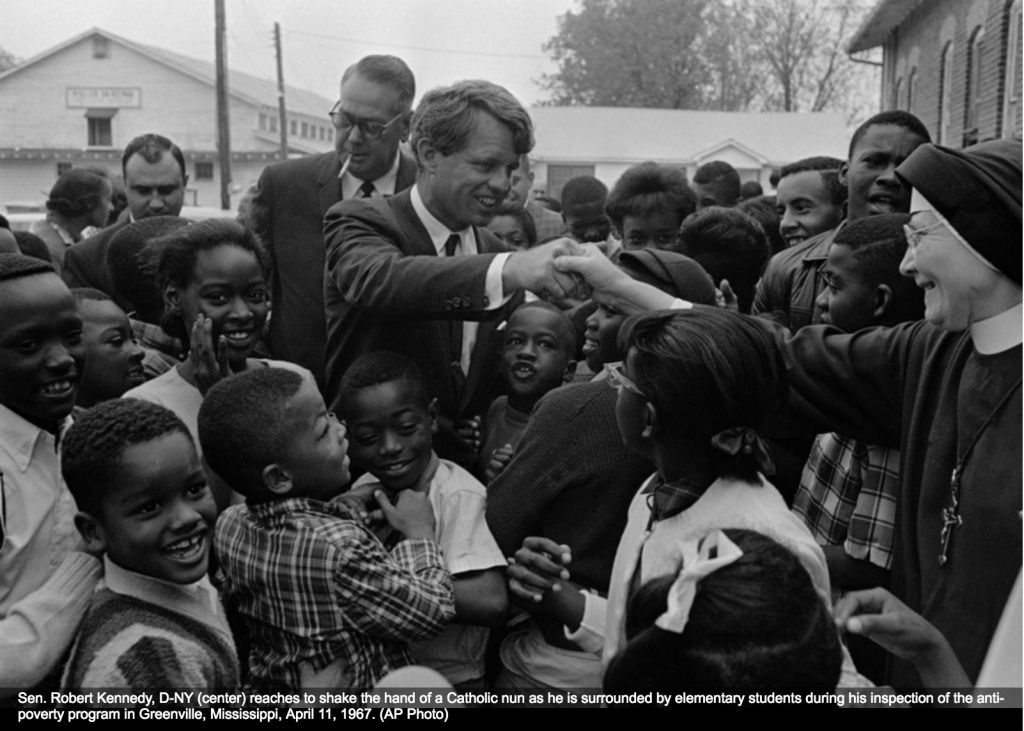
{"points": [[729, 55], [630, 53]]}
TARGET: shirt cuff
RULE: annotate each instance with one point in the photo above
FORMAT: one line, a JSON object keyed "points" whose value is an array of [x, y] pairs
{"points": [[589, 636], [496, 296]]}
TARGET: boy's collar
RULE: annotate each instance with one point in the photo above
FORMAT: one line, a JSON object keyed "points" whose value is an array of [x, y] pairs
{"points": [[18, 436]]}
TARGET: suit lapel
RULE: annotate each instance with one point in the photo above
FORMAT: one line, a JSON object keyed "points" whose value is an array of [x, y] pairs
{"points": [[328, 185]]}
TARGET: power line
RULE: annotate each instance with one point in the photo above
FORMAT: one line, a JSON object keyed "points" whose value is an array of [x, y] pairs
{"points": [[449, 51]]}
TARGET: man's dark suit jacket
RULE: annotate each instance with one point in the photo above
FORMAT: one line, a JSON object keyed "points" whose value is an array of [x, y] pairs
{"points": [[85, 263], [288, 211], [385, 288]]}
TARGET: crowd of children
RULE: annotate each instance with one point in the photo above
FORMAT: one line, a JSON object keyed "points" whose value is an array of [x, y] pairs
{"points": [[181, 511]]}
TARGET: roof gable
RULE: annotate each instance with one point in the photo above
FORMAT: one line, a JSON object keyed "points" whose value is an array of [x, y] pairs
{"points": [[249, 88]]}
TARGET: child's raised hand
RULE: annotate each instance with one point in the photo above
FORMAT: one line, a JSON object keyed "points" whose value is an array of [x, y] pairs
{"points": [[726, 297], [360, 501], [499, 460], [410, 515], [209, 361], [536, 569], [469, 432]]}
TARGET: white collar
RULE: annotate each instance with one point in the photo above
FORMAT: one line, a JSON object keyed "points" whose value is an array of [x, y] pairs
{"points": [[999, 332], [158, 591], [438, 232], [18, 436], [385, 184]]}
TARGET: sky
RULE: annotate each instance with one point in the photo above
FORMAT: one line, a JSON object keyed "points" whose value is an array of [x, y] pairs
{"points": [[441, 40]]}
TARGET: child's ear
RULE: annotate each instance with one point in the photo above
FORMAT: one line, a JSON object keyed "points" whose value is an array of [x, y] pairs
{"points": [[172, 299], [651, 426], [93, 537], [883, 301], [277, 480], [844, 168], [570, 371], [432, 411]]}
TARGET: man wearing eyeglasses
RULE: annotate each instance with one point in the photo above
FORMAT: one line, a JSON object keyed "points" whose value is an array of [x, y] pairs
{"points": [[371, 120]]}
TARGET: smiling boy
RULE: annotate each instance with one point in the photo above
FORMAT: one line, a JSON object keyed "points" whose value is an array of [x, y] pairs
{"points": [[41, 362], [114, 359], [385, 402], [156, 622], [791, 283]]}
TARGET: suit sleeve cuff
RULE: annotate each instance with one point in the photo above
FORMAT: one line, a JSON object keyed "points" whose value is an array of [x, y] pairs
{"points": [[496, 296]]}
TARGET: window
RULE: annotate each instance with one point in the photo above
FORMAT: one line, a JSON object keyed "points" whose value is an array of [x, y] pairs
{"points": [[204, 171], [100, 47], [305, 129], [911, 89], [263, 122], [63, 167], [974, 77], [273, 123], [98, 127], [293, 127], [945, 94], [559, 175], [1012, 94]]}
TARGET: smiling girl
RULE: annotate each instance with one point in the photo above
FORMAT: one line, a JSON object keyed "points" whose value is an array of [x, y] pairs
{"points": [[213, 279]]}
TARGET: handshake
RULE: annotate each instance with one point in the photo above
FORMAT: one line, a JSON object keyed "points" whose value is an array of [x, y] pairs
{"points": [[548, 270]]}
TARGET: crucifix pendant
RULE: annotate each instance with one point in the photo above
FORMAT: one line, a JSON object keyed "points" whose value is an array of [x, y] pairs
{"points": [[950, 517]]}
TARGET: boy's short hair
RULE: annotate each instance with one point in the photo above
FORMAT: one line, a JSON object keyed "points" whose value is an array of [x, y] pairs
{"points": [[384, 366], [31, 245], [827, 167], [90, 294], [896, 117], [241, 425], [765, 210], [92, 448], [131, 281], [583, 189], [751, 189], [566, 331], [648, 187], [729, 244], [878, 245], [722, 172], [15, 266], [755, 624]]}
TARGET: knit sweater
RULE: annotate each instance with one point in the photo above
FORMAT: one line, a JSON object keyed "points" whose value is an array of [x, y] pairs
{"points": [[571, 480], [131, 642]]}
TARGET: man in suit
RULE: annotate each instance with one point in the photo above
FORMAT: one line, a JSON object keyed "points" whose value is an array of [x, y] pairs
{"points": [[155, 180], [371, 119], [419, 274]]}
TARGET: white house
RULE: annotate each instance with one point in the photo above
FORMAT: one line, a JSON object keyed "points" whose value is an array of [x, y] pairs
{"points": [[82, 101], [604, 141]]}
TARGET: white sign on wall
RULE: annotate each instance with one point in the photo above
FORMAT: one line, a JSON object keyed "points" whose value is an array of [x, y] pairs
{"points": [[115, 97]]}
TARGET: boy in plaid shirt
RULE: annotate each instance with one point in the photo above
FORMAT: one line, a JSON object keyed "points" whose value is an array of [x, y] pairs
{"points": [[848, 490], [311, 583]]}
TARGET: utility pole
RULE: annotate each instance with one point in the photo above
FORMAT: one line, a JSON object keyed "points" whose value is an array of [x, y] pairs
{"points": [[282, 116], [223, 127]]}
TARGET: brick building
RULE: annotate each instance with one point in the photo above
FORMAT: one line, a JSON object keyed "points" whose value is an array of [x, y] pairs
{"points": [[956, 64], [82, 101]]}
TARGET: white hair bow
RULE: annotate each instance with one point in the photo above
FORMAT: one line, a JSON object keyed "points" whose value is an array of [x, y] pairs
{"points": [[700, 558]]}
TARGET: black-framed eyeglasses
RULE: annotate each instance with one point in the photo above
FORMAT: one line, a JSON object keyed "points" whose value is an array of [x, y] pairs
{"points": [[618, 380], [344, 122]]}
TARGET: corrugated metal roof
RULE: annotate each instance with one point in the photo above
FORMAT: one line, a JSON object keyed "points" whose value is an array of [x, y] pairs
{"points": [[617, 134]]}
